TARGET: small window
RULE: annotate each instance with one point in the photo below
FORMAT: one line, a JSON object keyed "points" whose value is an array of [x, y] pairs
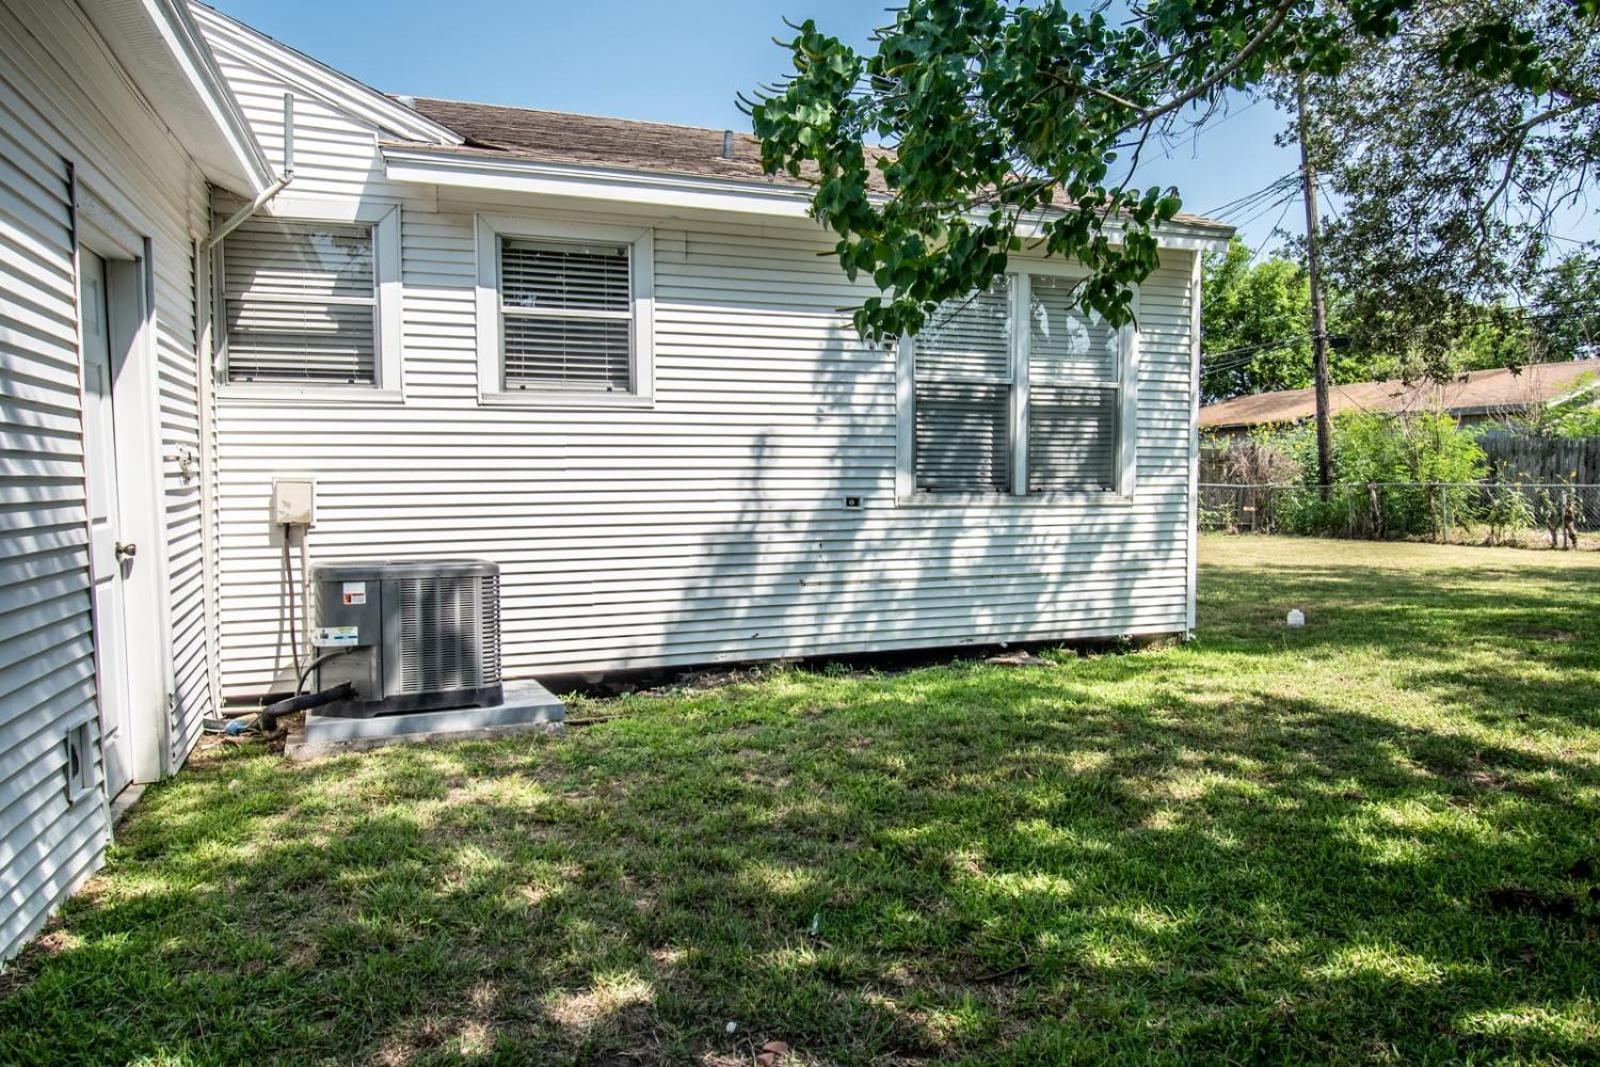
{"points": [[300, 303], [1000, 406], [81, 772], [564, 313]]}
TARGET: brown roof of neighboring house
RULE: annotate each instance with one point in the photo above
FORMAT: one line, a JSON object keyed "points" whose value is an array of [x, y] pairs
{"points": [[1475, 393], [628, 144]]}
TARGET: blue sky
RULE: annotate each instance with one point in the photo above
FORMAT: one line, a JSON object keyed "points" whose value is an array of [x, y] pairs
{"points": [[677, 61]]}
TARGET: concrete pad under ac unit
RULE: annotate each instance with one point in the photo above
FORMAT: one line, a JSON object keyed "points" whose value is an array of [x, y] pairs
{"points": [[528, 707]]}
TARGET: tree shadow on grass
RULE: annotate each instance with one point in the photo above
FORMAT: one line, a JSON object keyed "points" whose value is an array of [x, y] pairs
{"points": [[1262, 846]]}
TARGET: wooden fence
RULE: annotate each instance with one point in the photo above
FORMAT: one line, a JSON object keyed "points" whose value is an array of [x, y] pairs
{"points": [[1519, 458]]}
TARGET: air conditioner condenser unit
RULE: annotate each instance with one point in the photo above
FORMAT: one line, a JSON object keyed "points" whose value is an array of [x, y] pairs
{"points": [[408, 635]]}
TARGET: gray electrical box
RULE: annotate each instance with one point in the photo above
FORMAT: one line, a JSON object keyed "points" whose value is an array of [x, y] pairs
{"points": [[414, 635]]}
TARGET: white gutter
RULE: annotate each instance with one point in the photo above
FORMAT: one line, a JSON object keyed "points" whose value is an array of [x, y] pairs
{"points": [[238, 218], [422, 165], [460, 170]]}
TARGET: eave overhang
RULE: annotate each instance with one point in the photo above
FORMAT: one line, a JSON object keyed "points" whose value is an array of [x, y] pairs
{"points": [[159, 46], [499, 172]]}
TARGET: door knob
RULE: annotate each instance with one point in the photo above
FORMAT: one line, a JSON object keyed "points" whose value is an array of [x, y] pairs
{"points": [[126, 550]]}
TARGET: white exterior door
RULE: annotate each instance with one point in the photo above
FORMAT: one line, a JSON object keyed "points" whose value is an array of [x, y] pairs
{"points": [[109, 558]]}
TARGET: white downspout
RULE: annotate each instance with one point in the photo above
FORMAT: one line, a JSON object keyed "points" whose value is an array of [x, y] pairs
{"points": [[208, 427], [238, 218]]}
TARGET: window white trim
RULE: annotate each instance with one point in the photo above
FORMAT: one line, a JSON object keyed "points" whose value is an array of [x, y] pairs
{"points": [[641, 267], [1125, 476], [384, 218]]}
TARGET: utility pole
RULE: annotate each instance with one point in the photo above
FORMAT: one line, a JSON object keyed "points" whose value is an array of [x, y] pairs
{"points": [[1319, 324]]}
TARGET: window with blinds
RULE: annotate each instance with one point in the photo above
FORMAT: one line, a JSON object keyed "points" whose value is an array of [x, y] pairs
{"points": [[1074, 372], [963, 379], [566, 316], [300, 302], [1000, 406]]}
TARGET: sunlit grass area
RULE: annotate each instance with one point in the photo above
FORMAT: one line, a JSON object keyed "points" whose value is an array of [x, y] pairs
{"points": [[1374, 839]]}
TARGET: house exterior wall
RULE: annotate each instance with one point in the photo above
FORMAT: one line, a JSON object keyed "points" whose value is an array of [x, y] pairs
{"points": [[711, 526], [63, 100]]}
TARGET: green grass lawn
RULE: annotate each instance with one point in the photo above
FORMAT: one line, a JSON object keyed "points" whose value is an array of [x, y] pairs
{"points": [[1375, 839]]}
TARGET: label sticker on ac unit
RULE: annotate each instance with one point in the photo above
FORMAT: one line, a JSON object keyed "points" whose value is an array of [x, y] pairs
{"points": [[355, 592], [335, 636]]}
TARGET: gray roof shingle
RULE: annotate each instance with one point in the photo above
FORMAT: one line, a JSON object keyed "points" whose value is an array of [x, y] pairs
{"points": [[625, 144]]}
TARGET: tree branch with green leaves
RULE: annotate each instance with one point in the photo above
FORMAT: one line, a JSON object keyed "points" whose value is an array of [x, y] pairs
{"points": [[974, 128]]}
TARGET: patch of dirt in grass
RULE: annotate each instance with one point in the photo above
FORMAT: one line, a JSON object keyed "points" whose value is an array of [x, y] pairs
{"points": [[582, 1011]]}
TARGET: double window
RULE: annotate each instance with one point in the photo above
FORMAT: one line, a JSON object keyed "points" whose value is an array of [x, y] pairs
{"points": [[311, 303], [1017, 391], [564, 313]]}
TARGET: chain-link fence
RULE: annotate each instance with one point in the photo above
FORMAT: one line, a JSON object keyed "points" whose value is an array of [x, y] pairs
{"points": [[1558, 515]]}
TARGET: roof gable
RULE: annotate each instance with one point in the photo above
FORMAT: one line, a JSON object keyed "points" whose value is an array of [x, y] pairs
{"points": [[318, 80]]}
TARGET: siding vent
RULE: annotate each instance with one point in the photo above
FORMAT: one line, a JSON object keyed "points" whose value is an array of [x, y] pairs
{"points": [[80, 762]]}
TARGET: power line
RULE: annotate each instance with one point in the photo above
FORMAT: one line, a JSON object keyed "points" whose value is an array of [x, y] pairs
{"points": [[1205, 127], [1289, 197], [1249, 200], [1260, 247]]}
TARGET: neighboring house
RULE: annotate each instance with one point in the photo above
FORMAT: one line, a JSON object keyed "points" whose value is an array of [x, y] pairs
{"points": [[1474, 397], [609, 356]]}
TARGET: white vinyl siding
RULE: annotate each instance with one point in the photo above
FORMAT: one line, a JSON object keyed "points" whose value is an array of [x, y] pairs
{"points": [[707, 525], [566, 316], [711, 527], [300, 302], [61, 101]]}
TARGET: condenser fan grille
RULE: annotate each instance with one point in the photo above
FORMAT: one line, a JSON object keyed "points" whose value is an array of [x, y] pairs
{"points": [[449, 633]]}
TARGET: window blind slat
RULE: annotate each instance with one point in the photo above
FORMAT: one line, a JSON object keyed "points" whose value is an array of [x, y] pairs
{"points": [[559, 277], [968, 338], [592, 354], [559, 342], [299, 342], [299, 302], [266, 257], [1072, 434], [960, 443]]}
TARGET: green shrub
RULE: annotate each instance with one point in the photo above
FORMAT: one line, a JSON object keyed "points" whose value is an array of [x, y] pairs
{"points": [[1508, 511], [1575, 413], [1369, 450]]}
